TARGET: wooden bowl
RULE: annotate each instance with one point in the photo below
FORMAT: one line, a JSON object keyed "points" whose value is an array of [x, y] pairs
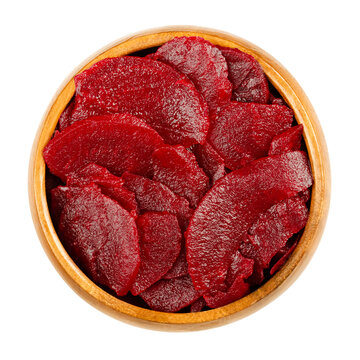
{"points": [[316, 146]]}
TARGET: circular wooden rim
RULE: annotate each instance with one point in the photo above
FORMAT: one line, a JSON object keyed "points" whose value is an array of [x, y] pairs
{"points": [[318, 155]]}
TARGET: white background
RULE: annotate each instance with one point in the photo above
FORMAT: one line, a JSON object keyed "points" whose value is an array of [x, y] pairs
{"points": [[317, 317]]}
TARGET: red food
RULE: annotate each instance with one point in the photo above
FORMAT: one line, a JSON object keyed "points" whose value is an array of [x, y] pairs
{"points": [[198, 305], [232, 205], [221, 298], [243, 132], [176, 167], [152, 90], [240, 267], [117, 142], [283, 255], [210, 161], [171, 295], [160, 243], [65, 118], [180, 267], [59, 196], [102, 236], [276, 101], [289, 140], [247, 76], [154, 196], [109, 184], [203, 64], [273, 228]]}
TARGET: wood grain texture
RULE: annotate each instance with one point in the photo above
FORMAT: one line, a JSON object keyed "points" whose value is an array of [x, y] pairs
{"points": [[288, 88]]}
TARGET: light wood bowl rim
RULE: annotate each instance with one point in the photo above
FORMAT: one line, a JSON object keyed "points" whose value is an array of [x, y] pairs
{"points": [[315, 142]]}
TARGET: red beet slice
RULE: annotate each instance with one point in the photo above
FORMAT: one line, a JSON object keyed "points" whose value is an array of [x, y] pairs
{"points": [[283, 255], [176, 167], [102, 236], [59, 196], [276, 101], [210, 161], [247, 76], [117, 142], [109, 184], [273, 228], [203, 64], [180, 267], [171, 295], [154, 196], [239, 267], [221, 298], [160, 243], [232, 205], [65, 118], [152, 90], [243, 132], [198, 305], [289, 140]]}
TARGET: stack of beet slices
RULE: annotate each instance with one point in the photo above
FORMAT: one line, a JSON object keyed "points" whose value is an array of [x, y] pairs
{"points": [[177, 180]]}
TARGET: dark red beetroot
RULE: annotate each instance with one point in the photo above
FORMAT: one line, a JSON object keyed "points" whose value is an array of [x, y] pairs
{"points": [[240, 266], [273, 228], [150, 89], [171, 295], [117, 142], [243, 132], [154, 196], [109, 184], [232, 205], [160, 243], [203, 64], [180, 267], [247, 76], [289, 140], [198, 305], [65, 117], [210, 161], [176, 167], [282, 256], [102, 236]]}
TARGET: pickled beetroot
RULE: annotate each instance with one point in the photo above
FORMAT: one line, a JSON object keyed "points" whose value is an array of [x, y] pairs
{"points": [[227, 211], [102, 236], [243, 132], [210, 161], [171, 295], [152, 90], [180, 267], [177, 177], [154, 196], [160, 243], [289, 140], [274, 227], [203, 64], [247, 77], [117, 142], [109, 184], [176, 167]]}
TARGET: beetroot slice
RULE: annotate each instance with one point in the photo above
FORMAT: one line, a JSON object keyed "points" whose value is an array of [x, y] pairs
{"points": [[240, 267], [247, 76], [198, 305], [232, 205], [117, 142], [243, 132], [176, 167], [273, 228], [210, 161], [109, 184], [102, 236], [180, 267], [160, 243], [289, 140], [65, 117], [171, 295], [154, 196], [152, 90], [203, 64], [221, 298], [283, 255]]}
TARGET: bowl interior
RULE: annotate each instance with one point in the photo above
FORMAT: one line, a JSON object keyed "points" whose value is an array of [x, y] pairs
{"points": [[291, 92]]}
